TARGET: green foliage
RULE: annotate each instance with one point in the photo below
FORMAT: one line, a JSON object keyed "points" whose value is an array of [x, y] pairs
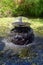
{"points": [[32, 8]]}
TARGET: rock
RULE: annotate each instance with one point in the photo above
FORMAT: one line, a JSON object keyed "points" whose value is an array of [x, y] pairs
{"points": [[21, 34]]}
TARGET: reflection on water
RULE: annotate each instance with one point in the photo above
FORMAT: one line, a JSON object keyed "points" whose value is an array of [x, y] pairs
{"points": [[35, 54]]}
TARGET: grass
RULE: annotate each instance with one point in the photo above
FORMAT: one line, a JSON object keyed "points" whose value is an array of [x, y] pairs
{"points": [[6, 25], [6, 7]]}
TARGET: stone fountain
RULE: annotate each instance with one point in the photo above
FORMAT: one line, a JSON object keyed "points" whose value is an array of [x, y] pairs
{"points": [[20, 37]]}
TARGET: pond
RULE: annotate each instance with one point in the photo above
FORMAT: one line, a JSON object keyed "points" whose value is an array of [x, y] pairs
{"points": [[35, 57]]}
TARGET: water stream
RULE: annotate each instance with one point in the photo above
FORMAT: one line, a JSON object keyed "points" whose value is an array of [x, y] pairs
{"points": [[35, 57]]}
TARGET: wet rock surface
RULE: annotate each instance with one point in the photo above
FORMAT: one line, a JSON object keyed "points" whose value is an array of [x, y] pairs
{"points": [[21, 34]]}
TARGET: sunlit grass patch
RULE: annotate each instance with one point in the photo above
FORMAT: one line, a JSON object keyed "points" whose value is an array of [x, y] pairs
{"points": [[6, 25]]}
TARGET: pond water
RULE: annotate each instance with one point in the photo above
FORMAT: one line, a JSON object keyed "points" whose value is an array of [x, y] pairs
{"points": [[35, 58]]}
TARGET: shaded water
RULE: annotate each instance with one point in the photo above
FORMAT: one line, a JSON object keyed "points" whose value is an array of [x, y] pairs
{"points": [[35, 57]]}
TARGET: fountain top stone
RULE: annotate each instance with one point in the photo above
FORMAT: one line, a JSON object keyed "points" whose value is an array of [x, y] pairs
{"points": [[20, 23]]}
